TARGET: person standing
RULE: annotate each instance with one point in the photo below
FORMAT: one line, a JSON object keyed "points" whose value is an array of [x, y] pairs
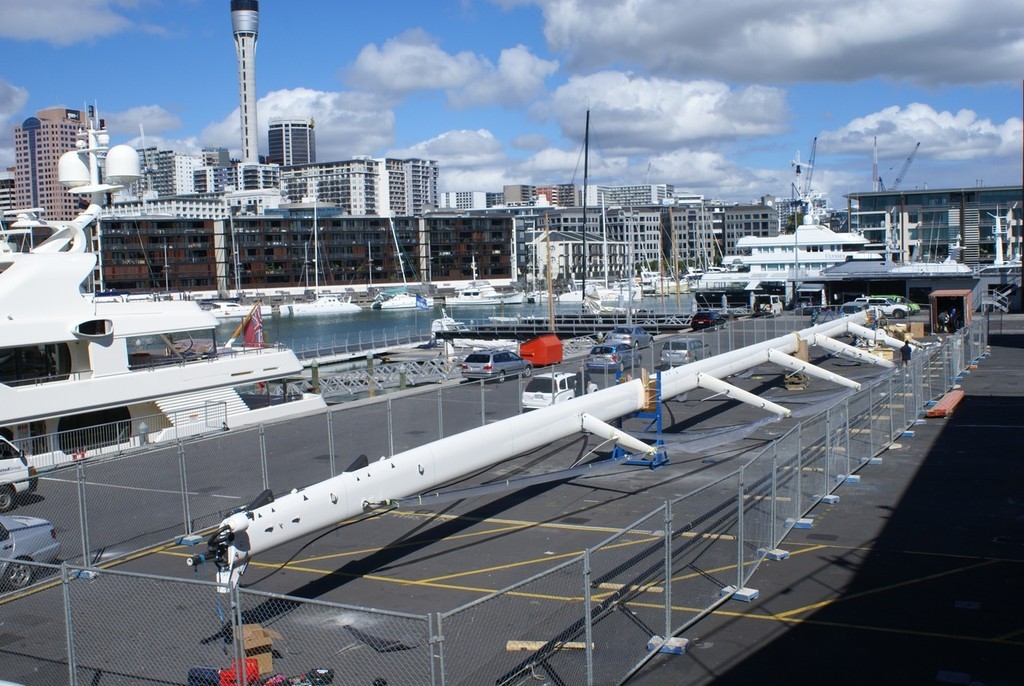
{"points": [[905, 352]]}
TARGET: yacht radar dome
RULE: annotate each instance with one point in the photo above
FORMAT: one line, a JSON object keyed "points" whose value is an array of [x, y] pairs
{"points": [[123, 166], [72, 170]]}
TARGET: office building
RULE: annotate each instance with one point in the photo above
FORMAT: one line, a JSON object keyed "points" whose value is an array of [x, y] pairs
{"points": [[38, 144], [291, 142]]}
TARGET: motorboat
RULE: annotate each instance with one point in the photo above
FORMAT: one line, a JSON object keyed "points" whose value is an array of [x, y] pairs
{"points": [[401, 300], [482, 293], [81, 376], [323, 304], [232, 309]]}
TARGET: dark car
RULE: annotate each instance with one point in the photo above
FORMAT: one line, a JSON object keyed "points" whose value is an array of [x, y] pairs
{"points": [[706, 319], [633, 336], [494, 364], [611, 357]]}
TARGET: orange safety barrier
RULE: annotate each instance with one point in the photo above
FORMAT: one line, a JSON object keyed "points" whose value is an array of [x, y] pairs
{"points": [[946, 404]]}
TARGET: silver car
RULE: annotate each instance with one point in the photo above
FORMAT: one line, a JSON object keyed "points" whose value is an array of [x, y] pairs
{"points": [[633, 336], [682, 350], [24, 539], [494, 364]]}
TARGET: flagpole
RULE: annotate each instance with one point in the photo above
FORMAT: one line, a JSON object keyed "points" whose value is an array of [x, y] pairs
{"points": [[241, 327]]}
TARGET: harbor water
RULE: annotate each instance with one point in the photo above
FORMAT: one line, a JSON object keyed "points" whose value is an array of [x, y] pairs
{"points": [[309, 333]]}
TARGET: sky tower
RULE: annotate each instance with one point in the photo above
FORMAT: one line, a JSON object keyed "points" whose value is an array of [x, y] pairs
{"points": [[245, 22]]}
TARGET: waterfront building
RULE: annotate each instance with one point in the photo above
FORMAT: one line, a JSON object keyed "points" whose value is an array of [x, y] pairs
{"points": [[931, 225], [366, 186], [742, 221], [274, 251], [38, 144], [291, 142]]}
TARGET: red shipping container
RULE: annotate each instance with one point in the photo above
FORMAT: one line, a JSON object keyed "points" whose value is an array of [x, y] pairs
{"points": [[252, 673]]}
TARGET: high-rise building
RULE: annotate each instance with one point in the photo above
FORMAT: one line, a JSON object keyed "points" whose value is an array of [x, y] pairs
{"points": [[245, 23], [38, 144], [291, 141]]}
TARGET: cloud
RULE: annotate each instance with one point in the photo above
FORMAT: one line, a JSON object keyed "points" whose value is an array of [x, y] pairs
{"points": [[414, 61], [154, 118], [634, 114], [947, 136], [347, 124], [465, 149], [12, 100], [518, 79], [921, 41], [63, 22]]}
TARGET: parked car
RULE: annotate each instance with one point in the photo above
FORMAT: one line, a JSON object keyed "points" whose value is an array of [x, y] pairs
{"points": [[851, 308], [610, 357], [681, 350], [706, 319], [494, 364], [16, 476], [24, 539], [900, 300], [633, 336], [548, 389], [884, 305]]}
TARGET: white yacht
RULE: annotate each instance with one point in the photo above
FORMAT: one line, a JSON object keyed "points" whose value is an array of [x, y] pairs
{"points": [[323, 303], [401, 299], [230, 309], [802, 255], [481, 293], [81, 376]]}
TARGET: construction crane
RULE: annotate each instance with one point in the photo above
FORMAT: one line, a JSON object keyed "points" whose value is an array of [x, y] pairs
{"points": [[903, 171]]}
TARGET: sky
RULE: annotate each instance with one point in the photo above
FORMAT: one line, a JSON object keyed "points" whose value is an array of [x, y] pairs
{"points": [[715, 97]]}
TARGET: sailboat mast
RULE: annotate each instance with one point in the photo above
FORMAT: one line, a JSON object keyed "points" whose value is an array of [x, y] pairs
{"points": [[586, 174], [316, 252]]}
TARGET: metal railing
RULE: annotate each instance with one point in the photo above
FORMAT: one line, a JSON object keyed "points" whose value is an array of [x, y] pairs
{"points": [[588, 620]]}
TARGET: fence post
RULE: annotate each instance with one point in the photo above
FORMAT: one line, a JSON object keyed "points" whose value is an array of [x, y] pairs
{"points": [[236, 637], [263, 457], [799, 511], [588, 619], [668, 569], [65, 578], [391, 433], [437, 640], [739, 528], [184, 488], [482, 404], [772, 536], [83, 512], [330, 441], [440, 413]]}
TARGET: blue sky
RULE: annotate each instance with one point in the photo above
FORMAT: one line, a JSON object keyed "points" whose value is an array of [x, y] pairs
{"points": [[713, 96]]}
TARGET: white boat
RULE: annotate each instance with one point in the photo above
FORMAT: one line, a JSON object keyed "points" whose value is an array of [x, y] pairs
{"points": [[401, 300], [322, 303], [230, 309], [482, 293], [84, 376], [449, 325]]}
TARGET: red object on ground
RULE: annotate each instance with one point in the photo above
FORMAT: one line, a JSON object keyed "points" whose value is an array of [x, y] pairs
{"points": [[228, 677], [946, 404], [542, 350]]}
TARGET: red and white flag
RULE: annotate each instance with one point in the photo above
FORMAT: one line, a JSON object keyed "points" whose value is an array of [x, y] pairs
{"points": [[253, 334]]}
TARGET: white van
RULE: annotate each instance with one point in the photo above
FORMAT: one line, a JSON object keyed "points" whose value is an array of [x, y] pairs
{"points": [[548, 389], [16, 477]]}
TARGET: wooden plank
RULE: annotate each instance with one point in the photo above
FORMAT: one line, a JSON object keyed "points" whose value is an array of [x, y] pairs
{"points": [[537, 645]]}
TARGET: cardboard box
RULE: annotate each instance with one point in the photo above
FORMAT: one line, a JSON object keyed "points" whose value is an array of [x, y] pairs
{"points": [[258, 644]]}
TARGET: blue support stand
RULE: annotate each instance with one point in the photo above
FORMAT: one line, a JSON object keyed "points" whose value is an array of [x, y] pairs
{"points": [[660, 458]]}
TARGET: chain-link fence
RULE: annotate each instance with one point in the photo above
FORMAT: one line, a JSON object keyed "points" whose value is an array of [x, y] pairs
{"points": [[589, 620]]}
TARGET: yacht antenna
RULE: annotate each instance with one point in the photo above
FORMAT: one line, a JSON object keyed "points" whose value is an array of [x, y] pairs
{"points": [[586, 161]]}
